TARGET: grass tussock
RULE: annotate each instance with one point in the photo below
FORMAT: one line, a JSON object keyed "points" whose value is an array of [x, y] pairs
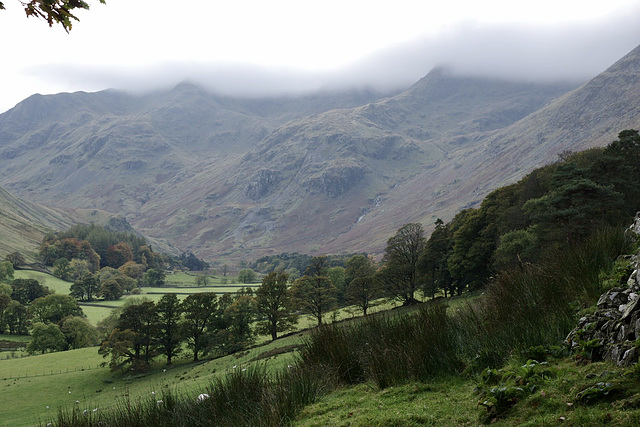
{"points": [[520, 309]]}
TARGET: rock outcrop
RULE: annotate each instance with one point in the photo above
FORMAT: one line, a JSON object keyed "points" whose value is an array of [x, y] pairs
{"points": [[611, 332]]}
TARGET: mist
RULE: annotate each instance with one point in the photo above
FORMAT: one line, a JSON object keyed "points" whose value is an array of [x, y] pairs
{"points": [[575, 52]]}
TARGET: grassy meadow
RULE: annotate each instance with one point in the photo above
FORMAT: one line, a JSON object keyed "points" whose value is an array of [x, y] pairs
{"points": [[33, 389]]}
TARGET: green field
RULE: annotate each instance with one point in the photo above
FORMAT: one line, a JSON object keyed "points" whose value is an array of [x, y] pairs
{"points": [[57, 380], [59, 286]]}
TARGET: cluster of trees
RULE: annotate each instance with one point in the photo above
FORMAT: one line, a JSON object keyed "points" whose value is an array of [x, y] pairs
{"points": [[294, 263], [56, 321], [205, 322], [102, 263], [99, 247], [516, 225]]}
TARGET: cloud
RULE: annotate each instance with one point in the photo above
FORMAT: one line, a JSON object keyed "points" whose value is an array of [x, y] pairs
{"points": [[573, 52]]}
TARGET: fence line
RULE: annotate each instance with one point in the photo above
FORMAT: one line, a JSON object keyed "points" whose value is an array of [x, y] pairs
{"points": [[53, 372]]}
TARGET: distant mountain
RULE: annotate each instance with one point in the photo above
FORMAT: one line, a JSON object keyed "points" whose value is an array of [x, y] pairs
{"points": [[241, 178]]}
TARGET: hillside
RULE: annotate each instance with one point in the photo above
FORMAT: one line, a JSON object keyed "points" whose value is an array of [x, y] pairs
{"points": [[24, 224], [335, 172], [240, 178]]}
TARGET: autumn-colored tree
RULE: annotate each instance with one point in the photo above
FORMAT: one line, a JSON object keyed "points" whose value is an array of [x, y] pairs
{"points": [[119, 254]]}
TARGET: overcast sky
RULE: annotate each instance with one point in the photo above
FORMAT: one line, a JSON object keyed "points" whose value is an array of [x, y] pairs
{"points": [[262, 47]]}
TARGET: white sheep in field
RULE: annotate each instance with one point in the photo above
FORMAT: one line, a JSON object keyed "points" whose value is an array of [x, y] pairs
{"points": [[202, 397]]}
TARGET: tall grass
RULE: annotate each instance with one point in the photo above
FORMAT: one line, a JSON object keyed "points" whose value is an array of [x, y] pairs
{"points": [[520, 309], [244, 397]]}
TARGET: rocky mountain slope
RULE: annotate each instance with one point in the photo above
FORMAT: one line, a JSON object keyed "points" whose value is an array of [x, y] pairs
{"points": [[240, 178]]}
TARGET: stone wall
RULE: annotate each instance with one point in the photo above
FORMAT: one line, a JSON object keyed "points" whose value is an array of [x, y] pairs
{"points": [[616, 323]]}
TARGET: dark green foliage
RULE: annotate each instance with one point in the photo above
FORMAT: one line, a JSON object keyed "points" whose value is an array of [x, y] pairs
{"points": [[154, 277], [79, 332], [291, 260], [246, 275], [53, 308], [315, 295], [16, 317], [6, 270], [26, 290], [168, 334], [200, 312], [432, 264], [46, 338], [400, 272], [193, 263], [274, 302], [552, 208], [132, 342], [85, 288]]}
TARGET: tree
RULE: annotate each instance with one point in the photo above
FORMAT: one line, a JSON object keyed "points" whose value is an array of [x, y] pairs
{"points": [[111, 290], [361, 291], [154, 277], [62, 268], [246, 275], [119, 254], [79, 333], [4, 303], [79, 268], [515, 249], [199, 314], [132, 341], [275, 303], [16, 259], [238, 317], [359, 266], [401, 256], [168, 334], [6, 270], [53, 308], [574, 207], [46, 338], [433, 260], [54, 11], [17, 318], [338, 278], [26, 290], [132, 270], [85, 288], [315, 295], [202, 279]]}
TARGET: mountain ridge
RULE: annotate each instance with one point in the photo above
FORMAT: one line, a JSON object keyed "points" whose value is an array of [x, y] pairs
{"points": [[238, 178]]}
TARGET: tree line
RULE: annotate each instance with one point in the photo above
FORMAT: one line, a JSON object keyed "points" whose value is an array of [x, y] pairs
{"points": [[554, 207]]}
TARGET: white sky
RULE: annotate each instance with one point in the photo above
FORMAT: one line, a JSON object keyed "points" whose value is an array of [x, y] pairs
{"points": [[262, 47]]}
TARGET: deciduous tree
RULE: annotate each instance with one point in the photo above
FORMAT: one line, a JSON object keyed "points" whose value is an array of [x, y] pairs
{"points": [[315, 295], [199, 314], [168, 334], [46, 338], [275, 303], [400, 272], [54, 11]]}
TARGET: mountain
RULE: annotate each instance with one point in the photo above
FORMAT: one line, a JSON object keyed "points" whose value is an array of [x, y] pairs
{"points": [[333, 172]]}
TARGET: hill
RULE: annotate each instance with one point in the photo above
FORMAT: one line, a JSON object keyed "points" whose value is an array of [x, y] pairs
{"points": [[329, 173]]}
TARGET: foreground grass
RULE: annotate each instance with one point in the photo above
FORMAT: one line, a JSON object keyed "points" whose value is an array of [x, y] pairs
{"points": [[457, 401]]}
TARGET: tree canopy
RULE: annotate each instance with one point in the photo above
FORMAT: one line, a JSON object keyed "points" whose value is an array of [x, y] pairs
{"points": [[54, 11]]}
